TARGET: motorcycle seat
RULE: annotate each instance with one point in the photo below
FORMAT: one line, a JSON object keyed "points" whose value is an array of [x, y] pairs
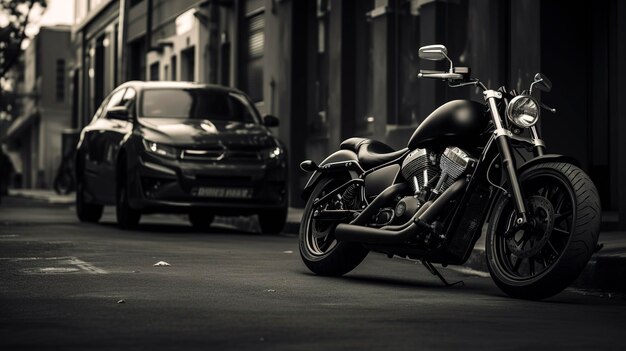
{"points": [[371, 153]]}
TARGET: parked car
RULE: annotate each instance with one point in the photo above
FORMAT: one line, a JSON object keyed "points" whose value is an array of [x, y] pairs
{"points": [[179, 147]]}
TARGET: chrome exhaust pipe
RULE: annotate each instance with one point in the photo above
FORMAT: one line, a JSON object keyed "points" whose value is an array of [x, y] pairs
{"points": [[369, 235]]}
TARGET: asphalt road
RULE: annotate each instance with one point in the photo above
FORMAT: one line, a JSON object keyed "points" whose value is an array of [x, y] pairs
{"points": [[69, 285]]}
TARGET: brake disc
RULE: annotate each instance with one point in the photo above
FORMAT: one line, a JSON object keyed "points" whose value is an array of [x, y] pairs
{"points": [[534, 238]]}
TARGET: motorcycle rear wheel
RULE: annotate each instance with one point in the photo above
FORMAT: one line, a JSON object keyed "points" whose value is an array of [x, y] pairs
{"points": [[319, 250], [541, 262]]}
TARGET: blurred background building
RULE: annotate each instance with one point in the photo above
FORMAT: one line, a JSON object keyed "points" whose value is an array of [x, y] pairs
{"points": [[332, 69], [44, 108]]}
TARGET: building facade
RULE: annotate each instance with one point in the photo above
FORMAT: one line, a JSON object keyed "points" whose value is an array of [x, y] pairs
{"points": [[35, 136], [332, 69]]}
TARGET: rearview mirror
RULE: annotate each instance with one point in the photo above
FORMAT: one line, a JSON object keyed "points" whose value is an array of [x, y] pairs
{"points": [[542, 83], [433, 52], [118, 112], [270, 121]]}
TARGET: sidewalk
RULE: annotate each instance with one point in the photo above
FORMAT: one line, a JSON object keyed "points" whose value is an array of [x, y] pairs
{"points": [[49, 196], [605, 271]]}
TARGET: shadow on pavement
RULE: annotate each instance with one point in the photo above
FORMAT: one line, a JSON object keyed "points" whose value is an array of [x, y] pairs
{"points": [[163, 228]]}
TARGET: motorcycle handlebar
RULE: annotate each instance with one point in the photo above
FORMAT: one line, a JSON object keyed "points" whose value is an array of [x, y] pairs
{"points": [[439, 75]]}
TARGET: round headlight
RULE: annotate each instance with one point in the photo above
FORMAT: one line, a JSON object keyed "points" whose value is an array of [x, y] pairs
{"points": [[523, 111]]}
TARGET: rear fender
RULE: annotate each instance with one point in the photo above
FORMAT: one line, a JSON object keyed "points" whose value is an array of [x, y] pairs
{"points": [[342, 161]]}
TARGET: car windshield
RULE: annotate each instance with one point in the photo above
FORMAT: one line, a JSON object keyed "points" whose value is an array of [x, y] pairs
{"points": [[197, 103]]}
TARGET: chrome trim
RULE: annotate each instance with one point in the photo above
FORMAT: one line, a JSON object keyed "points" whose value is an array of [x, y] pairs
{"points": [[501, 131], [202, 154], [507, 111], [538, 142], [492, 94]]}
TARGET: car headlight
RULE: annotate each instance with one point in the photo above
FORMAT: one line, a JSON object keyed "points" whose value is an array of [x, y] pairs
{"points": [[273, 153], [160, 149], [523, 111]]}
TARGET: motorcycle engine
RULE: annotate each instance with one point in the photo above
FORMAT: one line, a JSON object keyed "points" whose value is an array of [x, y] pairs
{"points": [[454, 163], [419, 168], [422, 166]]}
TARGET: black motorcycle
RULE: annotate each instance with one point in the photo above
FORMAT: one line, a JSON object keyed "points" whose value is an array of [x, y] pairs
{"points": [[460, 170]]}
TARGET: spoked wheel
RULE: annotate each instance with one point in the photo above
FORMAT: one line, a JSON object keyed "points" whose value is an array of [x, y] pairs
{"points": [[319, 238], [319, 249], [543, 259]]}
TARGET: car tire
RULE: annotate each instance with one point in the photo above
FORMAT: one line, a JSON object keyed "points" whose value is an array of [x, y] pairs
{"points": [[127, 217], [86, 212], [201, 220], [273, 221]]}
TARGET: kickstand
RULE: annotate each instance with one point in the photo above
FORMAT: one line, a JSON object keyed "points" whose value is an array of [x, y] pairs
{"points": [[429, 266]]}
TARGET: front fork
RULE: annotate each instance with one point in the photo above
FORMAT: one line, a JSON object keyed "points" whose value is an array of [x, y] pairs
{"points": [[508, 160]]}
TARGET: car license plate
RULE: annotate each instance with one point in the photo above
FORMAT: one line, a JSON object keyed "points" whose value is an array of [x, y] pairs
{"points": [[224, 193]]}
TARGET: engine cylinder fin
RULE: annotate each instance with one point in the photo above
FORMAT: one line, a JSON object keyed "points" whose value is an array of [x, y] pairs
{"points": [[420, 167]]}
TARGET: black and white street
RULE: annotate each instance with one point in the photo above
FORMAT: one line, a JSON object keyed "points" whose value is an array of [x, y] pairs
{"points": [[69, 285]]}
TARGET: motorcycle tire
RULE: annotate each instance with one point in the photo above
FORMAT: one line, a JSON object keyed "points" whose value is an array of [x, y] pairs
{"points": [[564, 203], [340, 257]]}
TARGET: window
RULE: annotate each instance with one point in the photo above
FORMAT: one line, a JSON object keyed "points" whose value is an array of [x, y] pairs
{"points": [[137, 59], [187, 64], [60, 81], [252, 58], [210, 104], [174, 66], [154, 71]]}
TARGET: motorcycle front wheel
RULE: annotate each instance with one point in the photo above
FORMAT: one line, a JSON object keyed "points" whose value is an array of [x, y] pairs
{"points": [[541, 261], [319, 249]]}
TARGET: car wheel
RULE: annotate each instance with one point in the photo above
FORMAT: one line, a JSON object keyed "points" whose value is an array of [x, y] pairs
{"points": [[86, 212], [273, 221], [127, 217], [201, 220]]}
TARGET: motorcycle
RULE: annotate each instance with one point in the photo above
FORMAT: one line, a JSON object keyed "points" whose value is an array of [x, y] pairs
{"points": [[430, 200]]}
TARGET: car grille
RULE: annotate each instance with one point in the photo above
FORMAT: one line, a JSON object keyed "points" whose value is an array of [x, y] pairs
{"points": [[218, 154]]}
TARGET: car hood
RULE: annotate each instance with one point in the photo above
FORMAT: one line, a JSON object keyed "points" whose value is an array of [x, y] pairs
{"points": [[202, 132]]}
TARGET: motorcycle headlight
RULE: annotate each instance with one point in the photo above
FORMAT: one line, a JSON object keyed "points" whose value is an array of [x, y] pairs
{"points": [[523, 111], [160, 149]]}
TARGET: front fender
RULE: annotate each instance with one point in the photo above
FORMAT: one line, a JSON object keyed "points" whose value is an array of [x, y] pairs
{"points": [[545, 159], [533, 162], [339, 156]]}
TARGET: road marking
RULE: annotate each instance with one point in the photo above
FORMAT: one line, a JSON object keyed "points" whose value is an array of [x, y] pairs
{"points": [[67, 260], [87, 267], [50, 270], [17, 259], [4, 236]]}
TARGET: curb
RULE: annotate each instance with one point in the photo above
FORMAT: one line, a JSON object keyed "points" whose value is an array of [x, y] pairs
{"points": [[51, 199]]}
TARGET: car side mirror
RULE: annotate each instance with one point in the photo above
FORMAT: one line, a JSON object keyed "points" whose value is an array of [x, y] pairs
{"points": [[118, 112], [271, 121]]}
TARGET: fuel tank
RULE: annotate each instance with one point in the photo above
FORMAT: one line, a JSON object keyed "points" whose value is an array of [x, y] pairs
{"points": [[455, 123]]}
